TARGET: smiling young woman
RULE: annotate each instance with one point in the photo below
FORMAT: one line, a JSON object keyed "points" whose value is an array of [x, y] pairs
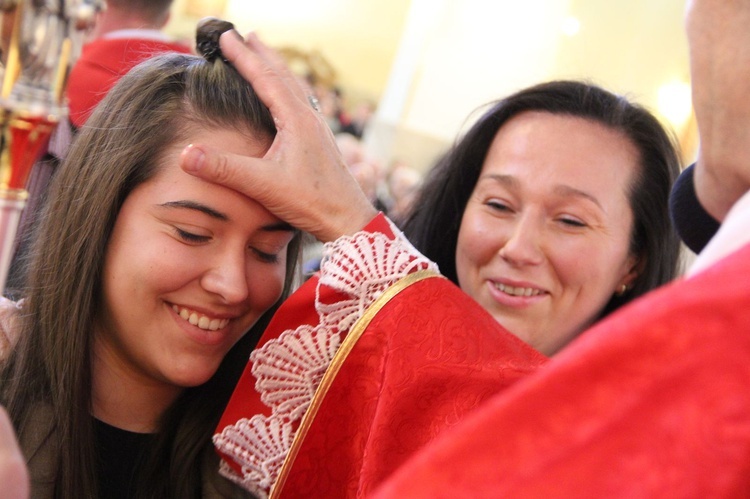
{"points": [[147, 290]]}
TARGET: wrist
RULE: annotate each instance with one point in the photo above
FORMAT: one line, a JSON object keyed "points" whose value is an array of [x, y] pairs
{"points": [[351, 222]]}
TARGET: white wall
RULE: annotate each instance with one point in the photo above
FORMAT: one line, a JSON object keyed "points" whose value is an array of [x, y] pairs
{"points": [[432, 63], [461, 54]]}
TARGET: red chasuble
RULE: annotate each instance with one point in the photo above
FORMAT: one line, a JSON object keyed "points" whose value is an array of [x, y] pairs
{"points": [[653, 402], [409, 366]]}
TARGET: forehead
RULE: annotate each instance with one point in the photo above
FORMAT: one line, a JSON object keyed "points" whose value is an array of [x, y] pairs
{"points": [[171, 183], [543, 148], [239, 141]]}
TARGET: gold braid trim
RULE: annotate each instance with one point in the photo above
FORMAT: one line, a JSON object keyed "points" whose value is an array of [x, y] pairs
{"points": [[329, 377]]}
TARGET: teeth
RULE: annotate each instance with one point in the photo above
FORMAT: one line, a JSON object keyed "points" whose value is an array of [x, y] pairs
{"points": [[518, 291], [201, 321]]}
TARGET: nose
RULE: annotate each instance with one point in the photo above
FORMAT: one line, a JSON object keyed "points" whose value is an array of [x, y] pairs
{"points": [[523, 244], [227, 276]]}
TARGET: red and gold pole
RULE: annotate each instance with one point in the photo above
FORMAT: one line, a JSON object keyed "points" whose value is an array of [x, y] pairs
{"points": [[24, 138], [37, 45]]}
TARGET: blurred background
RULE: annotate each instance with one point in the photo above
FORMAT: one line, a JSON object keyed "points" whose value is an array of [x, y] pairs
{"points": [[409, 76]]}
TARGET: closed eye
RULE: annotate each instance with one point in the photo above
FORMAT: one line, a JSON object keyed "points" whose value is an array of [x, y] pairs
{"points": [[189, 237], [498, 205], [266, 257], [573, 222]]}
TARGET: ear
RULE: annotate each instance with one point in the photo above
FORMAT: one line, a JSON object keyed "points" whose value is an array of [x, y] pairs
{"points": [[636, 266]]}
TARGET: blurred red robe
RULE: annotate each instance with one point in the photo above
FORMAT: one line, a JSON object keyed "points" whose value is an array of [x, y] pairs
{"points": [[652, 402]]}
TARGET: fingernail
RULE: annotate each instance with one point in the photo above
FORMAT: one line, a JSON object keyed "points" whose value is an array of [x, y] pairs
{"points": [[234, 34], [192, 158]]}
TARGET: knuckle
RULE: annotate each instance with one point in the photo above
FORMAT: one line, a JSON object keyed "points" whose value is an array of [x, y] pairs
{"points": [[222, 169]]}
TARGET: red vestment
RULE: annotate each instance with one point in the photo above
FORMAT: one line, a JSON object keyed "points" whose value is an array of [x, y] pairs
{"points": [[654, 401]]}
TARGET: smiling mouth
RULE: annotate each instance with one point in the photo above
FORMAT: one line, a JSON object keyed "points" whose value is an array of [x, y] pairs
{"points": [[517, 291], [200, 320]]}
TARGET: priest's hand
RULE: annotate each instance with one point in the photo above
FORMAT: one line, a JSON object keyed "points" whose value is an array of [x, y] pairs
{"points": [[302, 179]]}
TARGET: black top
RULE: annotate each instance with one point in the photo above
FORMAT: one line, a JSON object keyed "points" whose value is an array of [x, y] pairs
{"points": [[120, 453]]}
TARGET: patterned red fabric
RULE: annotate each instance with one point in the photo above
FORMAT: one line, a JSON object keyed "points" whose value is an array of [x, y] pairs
{"points": [[652, 402], [103, 61], [419, 369]]}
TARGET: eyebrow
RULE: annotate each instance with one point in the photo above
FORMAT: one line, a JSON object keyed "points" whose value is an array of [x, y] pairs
{"points": [[567, 190], [562, 190], [279, 226], [192, 205]]}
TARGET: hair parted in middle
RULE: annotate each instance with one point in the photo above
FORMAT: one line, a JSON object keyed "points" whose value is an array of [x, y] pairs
{"points": [[154, 107], [438, 209]]}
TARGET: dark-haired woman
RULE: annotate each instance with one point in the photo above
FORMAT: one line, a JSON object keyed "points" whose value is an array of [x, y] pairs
{"points": [[552, 210]]}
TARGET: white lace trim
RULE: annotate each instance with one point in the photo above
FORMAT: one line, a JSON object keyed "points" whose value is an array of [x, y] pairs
{"points": [[288, 369]]}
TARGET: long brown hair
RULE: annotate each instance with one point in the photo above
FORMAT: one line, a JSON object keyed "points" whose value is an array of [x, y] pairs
{"points": [[151, 108]]}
